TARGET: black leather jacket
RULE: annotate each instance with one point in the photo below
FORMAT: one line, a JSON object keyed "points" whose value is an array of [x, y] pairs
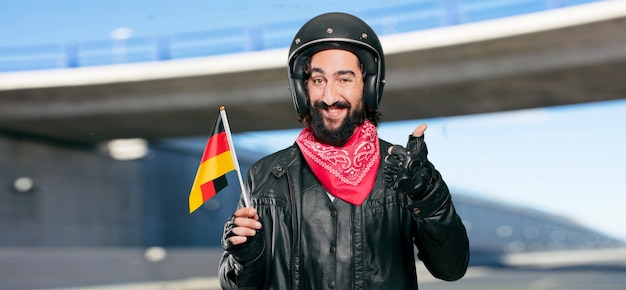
{"points": [[311, 242]]}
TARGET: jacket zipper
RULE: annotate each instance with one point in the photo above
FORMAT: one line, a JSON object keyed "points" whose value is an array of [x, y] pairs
{"points": [[293, 232]]}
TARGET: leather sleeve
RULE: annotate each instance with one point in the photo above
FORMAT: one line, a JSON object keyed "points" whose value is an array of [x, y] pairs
{"points": [[440, 235], [235, 274]]}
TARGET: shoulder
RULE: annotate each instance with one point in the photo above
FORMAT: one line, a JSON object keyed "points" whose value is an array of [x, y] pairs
{"points": [[384, 146], [281, 158], [384, 143]]}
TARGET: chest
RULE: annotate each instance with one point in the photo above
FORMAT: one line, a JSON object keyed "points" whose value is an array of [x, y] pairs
{"points": [[330, 239]]}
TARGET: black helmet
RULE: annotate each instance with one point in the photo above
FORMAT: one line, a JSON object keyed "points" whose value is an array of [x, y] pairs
{"points": [[337, 31]]}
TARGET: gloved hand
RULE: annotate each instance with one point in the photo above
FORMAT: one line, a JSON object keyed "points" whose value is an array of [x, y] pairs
{"points": [[408, 169], [246, 251]]}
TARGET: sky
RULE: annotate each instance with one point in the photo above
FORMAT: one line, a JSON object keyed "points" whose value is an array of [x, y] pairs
{"points": [[566, 160], [33, 22]]}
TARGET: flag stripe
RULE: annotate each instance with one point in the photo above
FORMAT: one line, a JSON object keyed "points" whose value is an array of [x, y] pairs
{"points": [[205, 192], [195, 199], [216, 145], [211, 188], [215, 167]]}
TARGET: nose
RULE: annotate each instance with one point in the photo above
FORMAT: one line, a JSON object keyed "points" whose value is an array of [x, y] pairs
{"points": [[331, 95]]}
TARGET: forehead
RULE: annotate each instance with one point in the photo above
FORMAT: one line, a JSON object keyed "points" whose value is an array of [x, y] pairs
{"points": [[336, 59]]}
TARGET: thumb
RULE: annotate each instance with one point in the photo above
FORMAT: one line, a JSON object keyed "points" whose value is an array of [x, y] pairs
{"points": [[419, 131]]}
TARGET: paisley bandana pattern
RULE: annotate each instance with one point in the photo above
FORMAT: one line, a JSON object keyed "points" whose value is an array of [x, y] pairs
{"points": [[346, 172]]}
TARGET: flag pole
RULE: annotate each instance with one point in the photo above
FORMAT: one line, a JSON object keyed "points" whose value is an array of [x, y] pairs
{"points": [[244, 190]]}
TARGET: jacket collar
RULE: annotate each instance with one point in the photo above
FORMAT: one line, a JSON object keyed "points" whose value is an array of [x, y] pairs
{"points": [[288, 159]]}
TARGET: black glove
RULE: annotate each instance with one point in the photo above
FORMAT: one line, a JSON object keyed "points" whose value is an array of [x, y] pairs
{"points": [[408, 169], [245, 252]]}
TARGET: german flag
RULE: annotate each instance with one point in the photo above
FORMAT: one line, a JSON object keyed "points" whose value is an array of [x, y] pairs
{"points": [[216, 162]]}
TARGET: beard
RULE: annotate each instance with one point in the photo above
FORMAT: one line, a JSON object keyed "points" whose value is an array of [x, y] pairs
{"points": [[339, 136]]}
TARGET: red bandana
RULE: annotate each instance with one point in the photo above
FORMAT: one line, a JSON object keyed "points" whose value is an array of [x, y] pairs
{"points": [[346, 172]]}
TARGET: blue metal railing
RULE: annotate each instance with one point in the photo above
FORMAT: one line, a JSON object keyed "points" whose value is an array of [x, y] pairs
{"points": [[418, 15]]}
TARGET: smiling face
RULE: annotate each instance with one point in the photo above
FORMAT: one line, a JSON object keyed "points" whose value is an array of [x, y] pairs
{"points": [[335, 90]]}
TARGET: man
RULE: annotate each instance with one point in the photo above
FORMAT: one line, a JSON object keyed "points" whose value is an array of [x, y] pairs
{"points": [[341, 208]]}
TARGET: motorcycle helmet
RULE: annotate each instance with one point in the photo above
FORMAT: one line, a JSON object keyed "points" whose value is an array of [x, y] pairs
{"points": [[336, 31]]}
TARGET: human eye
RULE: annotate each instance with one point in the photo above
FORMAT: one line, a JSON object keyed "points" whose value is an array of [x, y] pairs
{"points": [[317, 81], [344, 81]]}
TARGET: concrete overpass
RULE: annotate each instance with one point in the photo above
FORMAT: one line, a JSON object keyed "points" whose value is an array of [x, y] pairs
{"points": [[566, 56]]}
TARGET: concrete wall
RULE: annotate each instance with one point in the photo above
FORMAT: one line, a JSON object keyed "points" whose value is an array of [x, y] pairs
{"points": [[82, 197]]}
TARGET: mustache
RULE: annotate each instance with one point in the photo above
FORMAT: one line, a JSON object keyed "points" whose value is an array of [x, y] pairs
{"points": [[337, 104]]}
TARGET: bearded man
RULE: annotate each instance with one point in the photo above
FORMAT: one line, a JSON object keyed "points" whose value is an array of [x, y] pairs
{"points": [[341, 208]]}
